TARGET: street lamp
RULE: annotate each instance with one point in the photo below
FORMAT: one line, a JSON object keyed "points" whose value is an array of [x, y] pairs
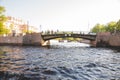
{"points": [[27, 26], [40, 29]]}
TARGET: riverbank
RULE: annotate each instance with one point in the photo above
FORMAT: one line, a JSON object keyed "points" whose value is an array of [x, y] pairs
{"points": [[32, 39], [108, 40]]}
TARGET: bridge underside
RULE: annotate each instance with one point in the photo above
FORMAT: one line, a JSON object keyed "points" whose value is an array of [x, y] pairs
{"points": [[83, 36]]}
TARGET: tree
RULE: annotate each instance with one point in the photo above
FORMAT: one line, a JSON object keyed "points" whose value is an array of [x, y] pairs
{"points": [[98, 28], [118, 26], [2, 9], [111, 26], [2, 16], [3, 30]]}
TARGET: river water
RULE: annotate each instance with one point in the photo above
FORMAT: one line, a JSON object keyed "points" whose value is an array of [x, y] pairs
{"points": [[62, 61]]}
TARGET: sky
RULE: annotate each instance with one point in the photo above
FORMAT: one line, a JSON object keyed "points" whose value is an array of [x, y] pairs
{"points": [[64, 15]]}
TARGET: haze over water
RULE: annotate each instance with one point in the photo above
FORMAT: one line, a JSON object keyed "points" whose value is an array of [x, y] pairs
{"points": [[62, 61]]}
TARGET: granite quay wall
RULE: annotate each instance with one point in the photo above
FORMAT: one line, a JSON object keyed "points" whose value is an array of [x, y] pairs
{"points": [[115, 40], [102, 39], [9, 40], [33, 39], [106, 39]]}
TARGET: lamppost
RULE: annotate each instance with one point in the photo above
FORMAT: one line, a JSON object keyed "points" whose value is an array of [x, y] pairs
{"points": [[27, 26], [40, 29]]}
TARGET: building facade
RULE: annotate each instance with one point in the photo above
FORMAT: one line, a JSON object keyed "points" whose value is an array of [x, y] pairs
{"points": [[18, 26]]}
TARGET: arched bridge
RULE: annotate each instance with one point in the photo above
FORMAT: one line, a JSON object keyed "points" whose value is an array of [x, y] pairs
{"points": [[88, 36]]}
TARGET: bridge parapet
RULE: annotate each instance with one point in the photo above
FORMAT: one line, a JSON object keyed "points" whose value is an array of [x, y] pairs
{"points": [[65, 32]]}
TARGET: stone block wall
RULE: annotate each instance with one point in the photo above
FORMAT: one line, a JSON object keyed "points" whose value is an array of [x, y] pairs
{"points": [[106, 39], [9, 40], [102, 39], [33, 39], [114, 40]]}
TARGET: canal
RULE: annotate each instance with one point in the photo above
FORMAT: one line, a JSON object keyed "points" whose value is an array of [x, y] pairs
{"points": [[62, 61]]}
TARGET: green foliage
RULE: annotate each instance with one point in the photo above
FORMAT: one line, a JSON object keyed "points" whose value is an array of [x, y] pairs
{"points": [[2, 10], [118, 26], [3, 30], [2, 16], [71, 39], [111, 26], [98, 28]]}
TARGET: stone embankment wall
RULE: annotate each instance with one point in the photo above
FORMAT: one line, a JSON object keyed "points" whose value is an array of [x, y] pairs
{"points": [[9, 40], [33, 39], [108, 40], [28, 39], [102, 40], [115, 40]]}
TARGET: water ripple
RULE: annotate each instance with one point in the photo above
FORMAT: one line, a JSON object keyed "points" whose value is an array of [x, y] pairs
{"points": [[61, 63]]}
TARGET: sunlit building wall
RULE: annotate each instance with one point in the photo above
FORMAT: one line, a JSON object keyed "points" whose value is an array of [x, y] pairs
{"points": [[15, 24], [19, 26]]}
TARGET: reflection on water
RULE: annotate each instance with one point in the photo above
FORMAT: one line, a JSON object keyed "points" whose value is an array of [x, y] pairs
{"points": [[68, 44], [63, 61]]}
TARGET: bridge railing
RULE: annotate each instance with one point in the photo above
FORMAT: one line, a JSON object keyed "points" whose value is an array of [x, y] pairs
{"points": [[67, 32]]}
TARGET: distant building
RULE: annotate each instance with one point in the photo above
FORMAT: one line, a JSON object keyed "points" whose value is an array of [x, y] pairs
{"points": [[18, 25], [15, 24], [33, 29]]}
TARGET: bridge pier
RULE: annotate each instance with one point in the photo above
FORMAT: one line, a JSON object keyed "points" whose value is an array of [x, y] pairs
{"points": [[32, 39]]}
